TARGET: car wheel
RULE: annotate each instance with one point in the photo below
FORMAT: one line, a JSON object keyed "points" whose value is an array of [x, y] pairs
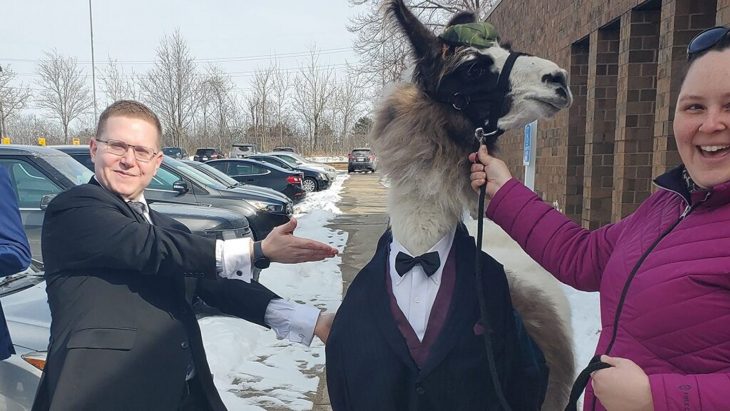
{"points": [[309, 185], [349, 170]]}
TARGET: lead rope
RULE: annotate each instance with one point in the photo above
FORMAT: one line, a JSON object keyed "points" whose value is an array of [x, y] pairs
{"points": [[481, 136]]}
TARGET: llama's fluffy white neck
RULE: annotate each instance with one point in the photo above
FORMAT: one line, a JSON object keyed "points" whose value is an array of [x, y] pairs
{"points": [[418, 221]]}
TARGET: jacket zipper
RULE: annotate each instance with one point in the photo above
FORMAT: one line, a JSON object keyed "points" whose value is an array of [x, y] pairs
{"points": [[688, 209]]}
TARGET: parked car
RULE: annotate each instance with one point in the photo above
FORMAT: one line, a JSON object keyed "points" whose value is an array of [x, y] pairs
{"points": [[179, 183], [295, 160], [39, 173], [314, 179], [24, 300], [361, 159], [262, 174], [284, 148], [253, 192], [205, 154], [175, 152], [239, 150]]}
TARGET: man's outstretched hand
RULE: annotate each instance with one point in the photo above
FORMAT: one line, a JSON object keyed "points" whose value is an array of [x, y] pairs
{"points": [[281, 246]]}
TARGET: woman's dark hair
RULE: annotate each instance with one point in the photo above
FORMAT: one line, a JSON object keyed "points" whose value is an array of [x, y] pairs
{"points": [[720, 45]]}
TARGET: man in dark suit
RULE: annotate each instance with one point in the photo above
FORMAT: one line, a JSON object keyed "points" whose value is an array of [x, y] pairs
{"points": [[14, 249], [120, 279], [409, 337]]}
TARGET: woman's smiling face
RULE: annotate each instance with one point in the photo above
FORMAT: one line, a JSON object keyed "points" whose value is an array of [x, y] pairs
{"points": [[702, 119]]}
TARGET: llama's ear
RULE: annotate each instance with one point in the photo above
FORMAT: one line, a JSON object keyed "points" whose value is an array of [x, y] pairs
{"points": [[424, 43], [463, 17]]}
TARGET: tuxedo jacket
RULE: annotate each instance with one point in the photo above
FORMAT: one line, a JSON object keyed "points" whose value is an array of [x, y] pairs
{"points": [[120, 289], [369, 366]]}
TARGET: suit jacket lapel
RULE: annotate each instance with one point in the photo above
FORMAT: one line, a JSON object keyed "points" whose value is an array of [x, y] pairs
{"points": [[463, 303], [375, 272]]}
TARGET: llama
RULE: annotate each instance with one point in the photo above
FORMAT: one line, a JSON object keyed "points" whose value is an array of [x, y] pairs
{"points": [[423, 133]]}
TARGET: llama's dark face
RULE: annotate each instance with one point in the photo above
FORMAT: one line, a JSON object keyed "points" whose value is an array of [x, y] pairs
{"points": [[537, 87], [466, 77]]}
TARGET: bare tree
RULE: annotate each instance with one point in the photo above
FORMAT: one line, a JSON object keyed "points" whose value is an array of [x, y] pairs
{"points": [[12, 99], [349, 101], [64, 92], [218, 105], [28, 127], [260, 102], [171, 87], [281, 85], [383, 49], [315, 87], [117, 84]]}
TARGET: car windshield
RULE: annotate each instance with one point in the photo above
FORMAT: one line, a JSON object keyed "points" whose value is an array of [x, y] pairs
{"points": [[214, 173], [171, 151], [195, 175], [70, 168], [273, 160], [291, 159], [22, 280], [361, 153], [205, 151]]}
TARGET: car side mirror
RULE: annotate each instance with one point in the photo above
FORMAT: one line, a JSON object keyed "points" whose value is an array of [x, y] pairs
{"points": [[45, 200], [181, 186]]}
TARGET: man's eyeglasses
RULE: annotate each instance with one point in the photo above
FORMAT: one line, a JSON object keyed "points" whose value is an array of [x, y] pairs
{"points": [[706, 40], [120, 148]]}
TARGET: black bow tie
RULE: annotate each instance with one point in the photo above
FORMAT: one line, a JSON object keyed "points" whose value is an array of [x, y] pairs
{"points": [[139, 207], [430, 262]]}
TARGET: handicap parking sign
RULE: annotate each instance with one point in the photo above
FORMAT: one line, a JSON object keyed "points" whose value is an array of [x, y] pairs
{"points": [[528, 146]]}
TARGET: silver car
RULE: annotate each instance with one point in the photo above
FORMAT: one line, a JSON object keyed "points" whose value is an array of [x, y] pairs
{"points": [[24, 301]]}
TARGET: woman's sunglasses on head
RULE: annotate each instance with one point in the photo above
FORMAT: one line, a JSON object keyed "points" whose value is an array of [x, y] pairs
{"points": [[706, 40]]}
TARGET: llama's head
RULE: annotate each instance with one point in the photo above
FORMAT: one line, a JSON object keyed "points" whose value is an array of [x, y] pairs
{"points": [[465, 76]]}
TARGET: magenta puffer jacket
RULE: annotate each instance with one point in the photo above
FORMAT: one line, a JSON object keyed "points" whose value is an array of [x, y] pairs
{"points": [[663, 274]]}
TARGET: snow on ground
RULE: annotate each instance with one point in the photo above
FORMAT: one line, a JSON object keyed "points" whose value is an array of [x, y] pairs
{"points": [[252, 369], [328, 159]]}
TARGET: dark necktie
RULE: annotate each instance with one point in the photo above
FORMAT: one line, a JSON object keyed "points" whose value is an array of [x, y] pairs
{"points": [[139, 207], [430, 262]]}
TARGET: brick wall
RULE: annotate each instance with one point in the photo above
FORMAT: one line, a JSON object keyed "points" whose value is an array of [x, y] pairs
{"points": [[626, 60]]}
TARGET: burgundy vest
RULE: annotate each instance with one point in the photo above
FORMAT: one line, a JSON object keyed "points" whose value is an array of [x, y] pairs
{"points": [[420, 350]]}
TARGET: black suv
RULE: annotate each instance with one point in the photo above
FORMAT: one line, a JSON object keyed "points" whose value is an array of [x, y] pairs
{"points": [[361, 159], [205, 154], [39, 173], [175, 152]]}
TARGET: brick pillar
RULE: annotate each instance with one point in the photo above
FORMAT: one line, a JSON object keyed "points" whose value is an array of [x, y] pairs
{"points": [[600, 126], [680, 21], [575, 184], [723, 12], [636, 96]]}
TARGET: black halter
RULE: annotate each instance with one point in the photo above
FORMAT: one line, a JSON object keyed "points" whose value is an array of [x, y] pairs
{"points": [[496, 96]]}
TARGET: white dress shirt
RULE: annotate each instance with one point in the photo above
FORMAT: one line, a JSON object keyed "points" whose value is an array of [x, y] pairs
{"points": [[292, 321], [414, 291]]}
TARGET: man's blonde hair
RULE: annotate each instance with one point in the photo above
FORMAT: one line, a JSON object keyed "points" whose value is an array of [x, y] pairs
{"points": [[132, 109]]}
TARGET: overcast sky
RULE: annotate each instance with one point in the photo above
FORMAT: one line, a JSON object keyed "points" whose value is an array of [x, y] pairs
{"points": [[238, 36]]}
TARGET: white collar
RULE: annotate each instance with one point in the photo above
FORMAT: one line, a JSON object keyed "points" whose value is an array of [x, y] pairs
{"points": [[442, 247]]}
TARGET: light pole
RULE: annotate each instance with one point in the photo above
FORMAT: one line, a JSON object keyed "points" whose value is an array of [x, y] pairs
{"points": [[93, 68]]}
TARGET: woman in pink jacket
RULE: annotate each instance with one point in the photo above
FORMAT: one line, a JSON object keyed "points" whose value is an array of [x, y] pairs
{"points": [[663, 272]]}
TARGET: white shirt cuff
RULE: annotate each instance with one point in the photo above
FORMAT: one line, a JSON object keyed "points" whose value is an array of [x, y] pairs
{"points": [[292, 321], [233, 259]]}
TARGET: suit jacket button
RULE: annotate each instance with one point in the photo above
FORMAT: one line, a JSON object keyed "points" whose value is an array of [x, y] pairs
{"points": [[184, 345], [420, 390]]}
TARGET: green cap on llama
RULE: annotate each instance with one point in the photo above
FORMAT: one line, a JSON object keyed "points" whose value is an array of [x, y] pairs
{"points": [[481, 35]]}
